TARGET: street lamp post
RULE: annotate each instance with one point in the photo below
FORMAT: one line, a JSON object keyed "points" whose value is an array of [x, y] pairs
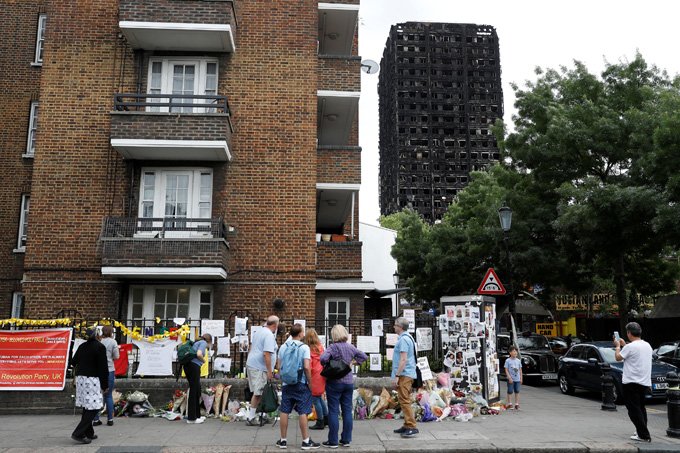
{"points": [[505, 217], [396, 305]]}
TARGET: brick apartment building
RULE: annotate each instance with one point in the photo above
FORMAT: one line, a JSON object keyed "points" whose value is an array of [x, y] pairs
{"points": [[440, 92], [180, 158]]}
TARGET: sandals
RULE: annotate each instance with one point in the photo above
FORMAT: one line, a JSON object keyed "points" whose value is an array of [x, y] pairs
{"points": [[516, 407]]}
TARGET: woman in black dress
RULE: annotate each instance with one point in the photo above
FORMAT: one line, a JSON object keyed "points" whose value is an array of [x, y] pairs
{"points": [[91, 382]]}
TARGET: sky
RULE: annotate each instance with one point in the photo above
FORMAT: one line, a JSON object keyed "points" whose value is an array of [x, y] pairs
{"points": [[531, 33]]}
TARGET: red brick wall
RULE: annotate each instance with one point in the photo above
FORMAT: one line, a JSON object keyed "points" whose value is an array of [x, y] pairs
{"points": [[19, 85], [339, 73], [170, 126], [338, 165], [184, 11], [356, 303], [267, 192], [338, 260]]}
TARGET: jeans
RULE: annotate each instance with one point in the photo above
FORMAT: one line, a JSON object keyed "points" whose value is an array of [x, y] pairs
{"points": [[339, 397], [193, 373], [320, 407], [108, 398], [634, 396]]}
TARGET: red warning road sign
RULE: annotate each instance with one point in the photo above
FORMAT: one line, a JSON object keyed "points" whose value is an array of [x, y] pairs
{"points": [[491, 284]]}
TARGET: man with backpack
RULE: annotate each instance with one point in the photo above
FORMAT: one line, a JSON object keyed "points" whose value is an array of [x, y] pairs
{"points": [[192, 369], [296, 376], [404, 373]]}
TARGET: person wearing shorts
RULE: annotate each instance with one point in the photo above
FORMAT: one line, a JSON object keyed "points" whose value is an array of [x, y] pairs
{"points": [[260, 364], [513, 371], [296, 396]]}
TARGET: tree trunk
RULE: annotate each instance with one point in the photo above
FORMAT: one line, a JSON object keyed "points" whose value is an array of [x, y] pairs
{"points": [[620, 282]]}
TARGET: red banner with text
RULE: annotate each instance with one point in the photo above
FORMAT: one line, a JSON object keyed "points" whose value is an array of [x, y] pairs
{"points": [[34, 359]]}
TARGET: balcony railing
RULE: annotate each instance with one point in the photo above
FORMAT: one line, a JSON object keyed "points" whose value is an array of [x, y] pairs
{"points": [[167, 102], [162, 227], [133, 247]]}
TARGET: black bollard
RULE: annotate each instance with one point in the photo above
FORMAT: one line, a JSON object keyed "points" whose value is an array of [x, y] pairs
{"points": [[673, 404], [608, 388]]}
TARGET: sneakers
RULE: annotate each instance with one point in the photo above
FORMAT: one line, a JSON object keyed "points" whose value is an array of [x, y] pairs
{"points": [[109, 423], [197, 421], [82, 440], [252, 422], [327, 444], [282, 444], [409, 432], [344, 444], [310, 445], [400, 430], [97, 423], [637, 438]]}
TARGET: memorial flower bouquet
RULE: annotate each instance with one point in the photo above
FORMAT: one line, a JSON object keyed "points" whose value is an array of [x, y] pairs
{"points": [[208, 397]]}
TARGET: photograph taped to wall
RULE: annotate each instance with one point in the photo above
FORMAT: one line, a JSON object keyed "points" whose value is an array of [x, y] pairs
{"points": [[470, 358], [475, 344], [449, 359], [474, 314], [473, 375], [460, 361], [457, 373], [443, 324], [450, 311]]}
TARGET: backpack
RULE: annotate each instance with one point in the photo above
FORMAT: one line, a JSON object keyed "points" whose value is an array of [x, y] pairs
{"points": [[186, 353], [291, 363]]}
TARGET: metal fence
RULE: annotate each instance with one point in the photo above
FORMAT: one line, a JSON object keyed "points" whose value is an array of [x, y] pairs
{"points": [[355, 327]]}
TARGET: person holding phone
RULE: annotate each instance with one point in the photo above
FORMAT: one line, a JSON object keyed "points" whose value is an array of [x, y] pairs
{"points": [[637, 377]]}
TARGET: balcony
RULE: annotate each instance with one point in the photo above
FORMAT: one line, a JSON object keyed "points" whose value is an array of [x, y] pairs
{"points": [[337, 210], [181, 127], [342, 73], [173, 25], [337, 27], [336, 117], [338, 260], [177, 248]]}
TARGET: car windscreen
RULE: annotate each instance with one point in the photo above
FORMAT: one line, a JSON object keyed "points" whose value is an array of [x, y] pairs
{"points": [[608, 355], [666, 350], [532, 343]]}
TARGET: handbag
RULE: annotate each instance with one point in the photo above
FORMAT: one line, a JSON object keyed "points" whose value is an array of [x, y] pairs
{"points": [[270, 399], [418, 381], [335, 369]]}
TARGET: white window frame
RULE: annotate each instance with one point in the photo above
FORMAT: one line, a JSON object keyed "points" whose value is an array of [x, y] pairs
{"points": [[194, 202], [338, 299], [149, 301], [40, 40], [166, 79], [23, 223], [32, 129], [17, 304]]}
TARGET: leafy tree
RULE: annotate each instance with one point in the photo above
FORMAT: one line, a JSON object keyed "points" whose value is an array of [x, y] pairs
{"points": [[609, 148]]}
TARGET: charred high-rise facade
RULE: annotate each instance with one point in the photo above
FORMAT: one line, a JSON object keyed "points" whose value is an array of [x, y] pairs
{"points": [[440, 93]]}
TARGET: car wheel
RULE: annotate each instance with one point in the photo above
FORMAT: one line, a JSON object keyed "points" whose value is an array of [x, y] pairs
{"points": [[565, 387]]}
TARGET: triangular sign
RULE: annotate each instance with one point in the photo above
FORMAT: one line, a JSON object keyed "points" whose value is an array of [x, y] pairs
{"points": [[491, 284]]}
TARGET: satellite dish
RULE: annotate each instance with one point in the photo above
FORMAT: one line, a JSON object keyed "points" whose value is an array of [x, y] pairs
{"points": [[370, 67]]}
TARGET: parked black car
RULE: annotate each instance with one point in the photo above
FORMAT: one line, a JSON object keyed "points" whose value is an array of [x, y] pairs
{"points": [[538, 360], [669, 353], [579, 368]]}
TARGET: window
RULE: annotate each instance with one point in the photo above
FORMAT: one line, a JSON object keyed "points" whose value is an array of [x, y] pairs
{"points": [[23, 223], [337, 311], [176, 194], [32, 130], [185, 78], [17, 305], [40, 39], [168, 302]]}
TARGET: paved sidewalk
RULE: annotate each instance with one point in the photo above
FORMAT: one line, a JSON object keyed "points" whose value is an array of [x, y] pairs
{"points": [[548, 422]]}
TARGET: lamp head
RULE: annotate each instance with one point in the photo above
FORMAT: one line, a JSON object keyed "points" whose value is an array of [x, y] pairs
{"points": [[505, 216]]}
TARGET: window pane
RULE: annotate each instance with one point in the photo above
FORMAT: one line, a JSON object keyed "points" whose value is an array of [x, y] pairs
{"points": [[205, 312], [342, 308], [206, 297], [137, 310], [183, 296], [183, 311], [332, 308], [159, 310]]}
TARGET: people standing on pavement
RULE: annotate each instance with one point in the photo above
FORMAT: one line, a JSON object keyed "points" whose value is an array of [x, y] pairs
{"points": [[193, 373], [513, 371], [318, 382], [112, 353], [260, 364], [637, 377], [296, 392], [91, 371], [339, 391], [403, 373]]}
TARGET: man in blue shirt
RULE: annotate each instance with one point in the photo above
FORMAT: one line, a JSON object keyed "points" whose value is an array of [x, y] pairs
{"points": [[403, 373], [260, 364]]}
